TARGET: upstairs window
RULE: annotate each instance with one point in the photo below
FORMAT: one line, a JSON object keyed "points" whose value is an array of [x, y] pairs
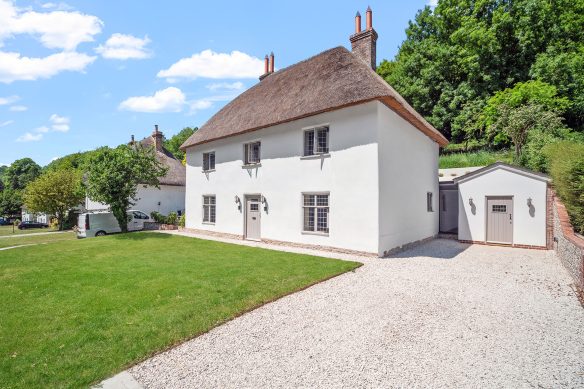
{"points": [[316, 213], [252, 153], [209, 210], [316, 141], [209, 161]]}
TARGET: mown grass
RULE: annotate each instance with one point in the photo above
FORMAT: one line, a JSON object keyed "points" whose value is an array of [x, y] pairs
{"points": [[476, 158], [76, 312], [19, 240], [8, 230]]}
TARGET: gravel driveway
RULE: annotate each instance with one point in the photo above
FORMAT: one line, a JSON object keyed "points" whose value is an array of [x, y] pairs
{"points": [[441, 315]]}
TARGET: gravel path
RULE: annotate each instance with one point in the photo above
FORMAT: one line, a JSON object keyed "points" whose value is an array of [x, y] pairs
{"points": [[440, 315]]}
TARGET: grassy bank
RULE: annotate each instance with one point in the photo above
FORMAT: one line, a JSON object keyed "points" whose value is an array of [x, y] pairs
{"points": [[476, 158]]}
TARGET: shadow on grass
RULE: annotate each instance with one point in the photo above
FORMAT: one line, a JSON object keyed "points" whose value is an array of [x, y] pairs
{"points": [[139, 235]]}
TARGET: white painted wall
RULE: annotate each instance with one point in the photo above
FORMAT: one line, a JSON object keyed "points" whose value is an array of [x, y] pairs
{"points": [[529, 226], [171, 198], [408, 168], [349, 174]]}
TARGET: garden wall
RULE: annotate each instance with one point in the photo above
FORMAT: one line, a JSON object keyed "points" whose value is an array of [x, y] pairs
{"points": [[568, 245]]}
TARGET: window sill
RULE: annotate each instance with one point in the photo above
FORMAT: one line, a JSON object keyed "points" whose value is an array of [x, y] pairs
{"points": [[315, 233], [208, 223], [316, 156], [251, 165], [208, 171]]}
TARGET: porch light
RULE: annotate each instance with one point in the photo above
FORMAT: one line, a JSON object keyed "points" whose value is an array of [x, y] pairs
{"points": [[470, 202], [237, 199], [529, 202]]}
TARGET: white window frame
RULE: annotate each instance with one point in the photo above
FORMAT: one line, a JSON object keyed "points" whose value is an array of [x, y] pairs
{"points": [[207, 154], [211, 206], [247, 154], [315, 230], [315, 148]]}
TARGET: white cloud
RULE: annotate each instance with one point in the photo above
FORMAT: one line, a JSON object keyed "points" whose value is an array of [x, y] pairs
{"points": [[29, 137], [432, 3], [55, 29], [121, 46], [208, 64], [13, 67], [8, 100], [59, 123], [167, 100], [238, 85], [42, 130], [58, 6], [6, 123], [18, 108]]}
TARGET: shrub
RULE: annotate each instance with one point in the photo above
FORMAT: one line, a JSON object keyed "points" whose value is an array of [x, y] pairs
{"points": [[182, 221], [566, 166], [480, 158], [158, 217], [54, 223], [172, 218]]}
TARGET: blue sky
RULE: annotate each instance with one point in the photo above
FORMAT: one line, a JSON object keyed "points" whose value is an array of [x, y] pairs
{"points": [[77, 75]]}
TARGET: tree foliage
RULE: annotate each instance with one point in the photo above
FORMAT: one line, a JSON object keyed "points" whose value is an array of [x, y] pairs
{"points": [[76, 161], [113, 176], [20, 173], [461, 53], [10, 202], [54, 193], [173, 144]]}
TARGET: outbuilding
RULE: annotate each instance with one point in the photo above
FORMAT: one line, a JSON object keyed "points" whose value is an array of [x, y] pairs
{"points": [[504, 204]]}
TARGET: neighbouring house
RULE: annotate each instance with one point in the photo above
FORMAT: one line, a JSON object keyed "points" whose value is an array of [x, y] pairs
{"points": [[497, 204], [27, 216], [321, 153], [171, 195]]}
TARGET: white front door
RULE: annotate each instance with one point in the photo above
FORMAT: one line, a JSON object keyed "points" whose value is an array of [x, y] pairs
{"points": [[500, 219], [253, 215]]}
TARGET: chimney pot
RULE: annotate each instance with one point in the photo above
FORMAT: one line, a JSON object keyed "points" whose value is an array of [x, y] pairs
{"points": [[357, 23], [266, 65], [158, 138], [369, 18], [272, 62], [364, 43], [132, 139]]}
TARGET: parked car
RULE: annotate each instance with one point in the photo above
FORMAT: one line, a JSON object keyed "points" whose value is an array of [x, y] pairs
{"points": [[29, 224], [102, 223], [4, 222]]}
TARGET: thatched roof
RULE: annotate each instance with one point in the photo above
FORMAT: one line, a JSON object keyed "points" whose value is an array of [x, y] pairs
{"points": [[331, 80], [176, 174]]}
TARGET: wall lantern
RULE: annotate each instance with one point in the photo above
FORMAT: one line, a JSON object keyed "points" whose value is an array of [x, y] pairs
{"points": [[265, 202], [529, 202], [470, 202], [237, 199]]}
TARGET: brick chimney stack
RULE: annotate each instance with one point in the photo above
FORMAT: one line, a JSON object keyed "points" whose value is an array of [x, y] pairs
{"points": [[158, 138], [364, 43], [268, 66]]}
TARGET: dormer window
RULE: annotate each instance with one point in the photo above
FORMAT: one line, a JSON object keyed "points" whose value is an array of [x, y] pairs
{"points": [[316, 141], [209, 161], [252, 153]]}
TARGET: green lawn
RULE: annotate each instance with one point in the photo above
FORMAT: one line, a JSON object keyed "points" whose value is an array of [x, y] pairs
{"points": [[7, 230], [476, 158], [27, 239], [75, 312]]}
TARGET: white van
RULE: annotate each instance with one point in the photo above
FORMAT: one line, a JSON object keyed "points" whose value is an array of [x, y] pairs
{"points": [[103, 222]]}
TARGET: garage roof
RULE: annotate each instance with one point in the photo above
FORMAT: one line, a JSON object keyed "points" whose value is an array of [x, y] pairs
{"points": [[505, 166]]}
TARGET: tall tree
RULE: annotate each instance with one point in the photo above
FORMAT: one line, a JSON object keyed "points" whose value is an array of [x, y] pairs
{"points": [[173, 144], [20, 173], [54, 193], [10, 202], [113, 176], [457, 55]]}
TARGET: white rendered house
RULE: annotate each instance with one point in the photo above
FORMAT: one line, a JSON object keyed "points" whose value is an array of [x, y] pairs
{"points": [[322, 153], [171, 195]]}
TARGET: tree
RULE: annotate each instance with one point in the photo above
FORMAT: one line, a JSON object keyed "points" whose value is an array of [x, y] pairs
{"points": [[517, 123], [113, 176], [75, 161], [20, 173], [54, 193], [464, 51], [173, 144], [10, 202]]}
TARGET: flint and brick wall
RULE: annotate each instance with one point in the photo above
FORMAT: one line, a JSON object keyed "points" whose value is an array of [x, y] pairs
{"points": [[569, 246]]}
